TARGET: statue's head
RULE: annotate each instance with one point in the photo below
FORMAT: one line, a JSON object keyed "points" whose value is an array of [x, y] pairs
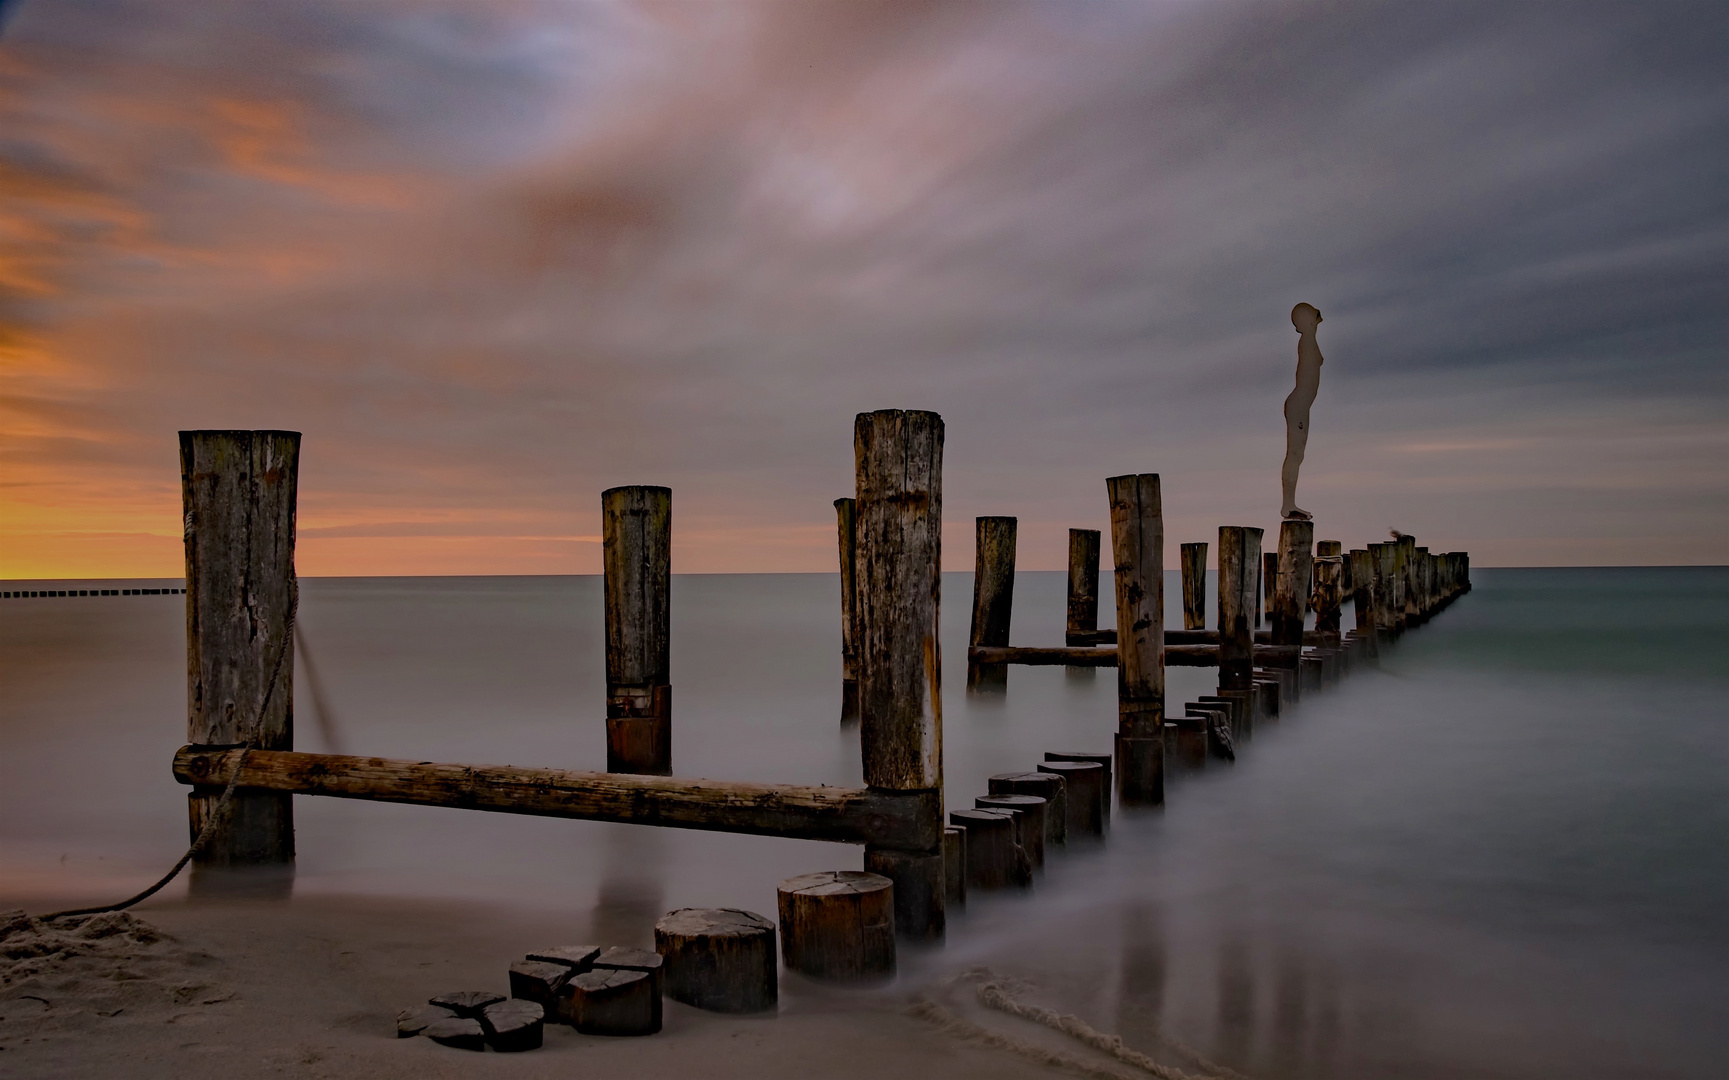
{"points": [[1305, 317]]}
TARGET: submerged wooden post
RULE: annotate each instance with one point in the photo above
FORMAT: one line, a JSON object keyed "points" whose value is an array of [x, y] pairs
{"points": [[636, 551], [846, 519], [1083, 585], [993, 597], [899, 460], [1239, 563], [1291, 593], [1138, 550], [1194, 586], [238, 491]]}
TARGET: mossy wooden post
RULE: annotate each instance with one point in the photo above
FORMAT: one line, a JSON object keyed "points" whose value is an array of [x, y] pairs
{"points": [[1138, 554], [1194, 586], [636, 551], [846, 517], [238, 491], [1239, 565], [1291, 591], [1363, 597], [993, 597], [1083, 585], [899, 460]]}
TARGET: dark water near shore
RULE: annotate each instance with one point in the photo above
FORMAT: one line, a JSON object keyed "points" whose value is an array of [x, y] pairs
{"points": [[1505, 853]]}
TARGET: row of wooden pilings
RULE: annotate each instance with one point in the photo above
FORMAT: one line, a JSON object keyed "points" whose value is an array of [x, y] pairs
{"points": [[240, 490]]}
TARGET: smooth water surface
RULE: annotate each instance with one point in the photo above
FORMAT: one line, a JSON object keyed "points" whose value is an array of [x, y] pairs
{"points": [[1501, 854]]}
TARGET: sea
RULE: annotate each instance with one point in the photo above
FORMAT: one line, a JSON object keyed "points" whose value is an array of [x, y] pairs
{"points": [[1501, 851]]}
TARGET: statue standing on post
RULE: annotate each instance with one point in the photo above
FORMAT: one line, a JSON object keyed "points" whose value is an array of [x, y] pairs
{"points": [[1305, 317]]}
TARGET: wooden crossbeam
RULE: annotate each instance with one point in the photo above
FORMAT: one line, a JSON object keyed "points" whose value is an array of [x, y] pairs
{"points": [[844, 815]]}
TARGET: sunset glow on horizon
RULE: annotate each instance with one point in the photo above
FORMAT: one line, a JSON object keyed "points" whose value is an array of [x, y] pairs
{"points": [[493, 258]]}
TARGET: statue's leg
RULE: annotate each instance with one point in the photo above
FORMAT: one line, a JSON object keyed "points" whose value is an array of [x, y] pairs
{"points": [[1296, 442]]}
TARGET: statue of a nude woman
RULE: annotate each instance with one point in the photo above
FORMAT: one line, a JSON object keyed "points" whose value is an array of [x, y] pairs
{"points": [[1305, 317]]}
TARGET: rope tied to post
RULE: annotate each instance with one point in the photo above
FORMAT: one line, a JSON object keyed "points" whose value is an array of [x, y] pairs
{"points": [[220, 810]]}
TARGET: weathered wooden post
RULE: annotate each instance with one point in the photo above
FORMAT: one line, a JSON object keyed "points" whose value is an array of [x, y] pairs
{"points": [[1194, 586], [1408, 579], [1291, 591], [1363, 597], [899, 459], [1328, 570], [846, 518], [636, 551], [1239, 561], [1386, 587], [1138, 550], [1083, 586], [993, 597], [238, 491], [1269, 580], [1425, 583]]}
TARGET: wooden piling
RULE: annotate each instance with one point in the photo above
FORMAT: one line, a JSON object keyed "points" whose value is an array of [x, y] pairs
{"points": [[1083, 585], [838, 925], [636, 552], [238, 492], [954, 865], [1138, 550], [1194, 586], [1269, 580], [995, 858], [1328, 570], [1408, 579], [719, 959], [1363, 598], [1047, 786], [1085, 796], [1291, 592], [846, 520], [1030, 831], [898, 456], [1425, 582], [993, 597], [1239, 561]]}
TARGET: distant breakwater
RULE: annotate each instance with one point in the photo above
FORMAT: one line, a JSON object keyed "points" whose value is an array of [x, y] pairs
{"points": [[33, 594]]}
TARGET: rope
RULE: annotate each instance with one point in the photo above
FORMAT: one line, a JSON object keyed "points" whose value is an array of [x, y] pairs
{"points": [[221, 808]]}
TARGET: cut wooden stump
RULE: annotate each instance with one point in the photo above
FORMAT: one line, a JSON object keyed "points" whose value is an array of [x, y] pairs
{"points": [[1086, 794], [468, 1003], [1186, 747], [514, 1026], [995, 859], [411, 1022], [1048, 786], [719, 959], [579, 958], [539, 981], [461, 1032], [954, 865], [611, 1001], [838, 925], [623, 958], [1029, 813]]}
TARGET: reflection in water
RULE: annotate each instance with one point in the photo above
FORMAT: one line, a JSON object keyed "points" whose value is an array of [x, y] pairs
{"points": [[632, 892]]}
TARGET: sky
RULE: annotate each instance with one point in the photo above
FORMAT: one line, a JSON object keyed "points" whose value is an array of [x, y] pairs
{"points": [[494, 257]]}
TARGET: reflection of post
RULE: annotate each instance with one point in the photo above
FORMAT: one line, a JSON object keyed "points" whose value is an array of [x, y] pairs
{"points": [[1194, 586], [1239, 559], [1083, 584], [899, 458], [238, 490], [1138, 549], [993, 597], [636, 550], [846, 516], [1291, 591]]}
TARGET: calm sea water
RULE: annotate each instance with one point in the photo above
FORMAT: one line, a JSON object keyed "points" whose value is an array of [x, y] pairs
{"points": [[1504, 853]]}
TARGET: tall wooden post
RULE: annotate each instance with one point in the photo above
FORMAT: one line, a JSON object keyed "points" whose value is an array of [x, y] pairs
{"points": [[1329, 584], [238, 491], [1386, 586], [1425, 582], [1269, 580], [1239, 563], [846, 517], [1194, 586], [1363, 597], [1291, 591], [1407, 556], [636, 551], [993, 597], [1138, 550], [899, 459], [1083, 585]]}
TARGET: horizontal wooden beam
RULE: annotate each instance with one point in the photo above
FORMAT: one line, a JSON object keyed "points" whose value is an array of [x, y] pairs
{"points": [[1175, 656], [909, 821], [1186, 637]]}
